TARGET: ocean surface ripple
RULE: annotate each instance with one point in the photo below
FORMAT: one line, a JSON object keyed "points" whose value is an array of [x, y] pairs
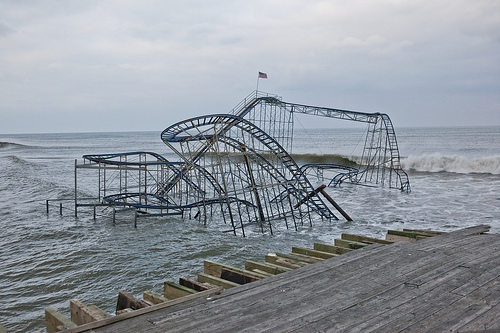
{"points": [[49, 259]]}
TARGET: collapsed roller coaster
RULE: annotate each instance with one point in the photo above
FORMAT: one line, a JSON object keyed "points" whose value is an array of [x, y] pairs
{"points": [[236, 167]]}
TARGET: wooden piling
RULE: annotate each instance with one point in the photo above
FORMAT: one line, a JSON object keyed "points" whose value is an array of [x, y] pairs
{"points": [[172, 290], [153, 298], [195, 285], [349, 244], [55, 321], [251, 265], [83, 314], [272, 258], [215, 269], [125, 300], [207, 278]]}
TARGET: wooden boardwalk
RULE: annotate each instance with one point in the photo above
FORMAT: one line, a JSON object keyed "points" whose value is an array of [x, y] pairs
{"points": [[445, 283]]}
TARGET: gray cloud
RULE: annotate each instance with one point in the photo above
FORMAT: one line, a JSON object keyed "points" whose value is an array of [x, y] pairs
{"points": [[423, 62], [5, 29]]}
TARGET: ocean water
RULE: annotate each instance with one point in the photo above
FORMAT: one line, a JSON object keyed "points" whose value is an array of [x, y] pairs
{"points": [[48, 259]]}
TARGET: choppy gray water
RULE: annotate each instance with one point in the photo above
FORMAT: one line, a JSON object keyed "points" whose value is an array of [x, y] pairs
{"points": [[48, 259]]}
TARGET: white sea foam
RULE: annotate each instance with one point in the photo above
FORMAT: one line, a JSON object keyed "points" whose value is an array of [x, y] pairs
{"points": [[457, 164]]}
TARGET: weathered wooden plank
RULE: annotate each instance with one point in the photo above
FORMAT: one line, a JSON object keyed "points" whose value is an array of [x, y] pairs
{"points": [[106, 324], [195, 285], [457, 236], [408, 281], [310, 275], [125, 300], [388, 312], [98, 313], [426, 232], [207, 278], [433, 272], [373, 283], [396, 238], [313, 253], [306, 257], [153, 297], [83, 314], [364, 239], [349, 244], [465, 309], [299, 278], [298, 257], [122, 311], [56, 321], [475, 230], [275, 260], [331, 248], [375, 290], [486, 271], [266, 267], [262, 272], [358, 257], [284, 291], [408, 234], [215, 269], [434, 296], [489, 321], [447, 242], [172, 290], [237, 276]]}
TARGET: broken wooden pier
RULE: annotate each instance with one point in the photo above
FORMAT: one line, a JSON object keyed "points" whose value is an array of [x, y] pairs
{"points": [[442, 282]]}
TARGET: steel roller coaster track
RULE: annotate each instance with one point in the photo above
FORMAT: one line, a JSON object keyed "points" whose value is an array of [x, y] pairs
{"points": [[236, 167]]}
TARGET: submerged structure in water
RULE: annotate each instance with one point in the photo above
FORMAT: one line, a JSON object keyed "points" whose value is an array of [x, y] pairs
{"points": [[236, 167]]}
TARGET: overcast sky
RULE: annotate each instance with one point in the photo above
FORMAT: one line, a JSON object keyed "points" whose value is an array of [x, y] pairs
{"points": [[83, 66]]}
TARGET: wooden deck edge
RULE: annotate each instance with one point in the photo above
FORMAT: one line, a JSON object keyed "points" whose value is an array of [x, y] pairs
{"points": [[142, 311], [470, 231], [365, 249], [340, 260]]}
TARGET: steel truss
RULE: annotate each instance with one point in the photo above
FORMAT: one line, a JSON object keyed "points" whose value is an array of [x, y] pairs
{"points": [[236, 167]]}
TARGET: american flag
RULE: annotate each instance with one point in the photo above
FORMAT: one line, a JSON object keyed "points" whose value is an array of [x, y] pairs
{"points": [[262, 75]]}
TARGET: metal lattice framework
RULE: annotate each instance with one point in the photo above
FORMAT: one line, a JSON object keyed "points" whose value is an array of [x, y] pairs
{"points": [[380, 162], [236, 167]]}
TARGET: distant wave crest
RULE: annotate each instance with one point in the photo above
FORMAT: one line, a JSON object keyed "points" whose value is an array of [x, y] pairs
{"points": [[455, 163], [328, 158], [10, 145]]}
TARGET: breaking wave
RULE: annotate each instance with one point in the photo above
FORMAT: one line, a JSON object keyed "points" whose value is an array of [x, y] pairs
{"points": [[328, 158], [10, 145], [454, 163]]}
